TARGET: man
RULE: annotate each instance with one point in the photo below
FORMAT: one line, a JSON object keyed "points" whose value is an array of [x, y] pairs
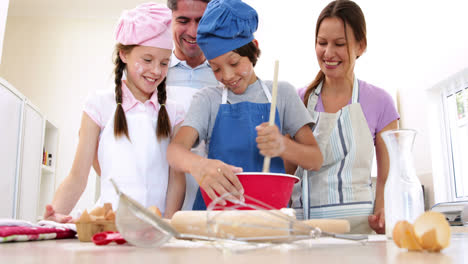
{"points": [[188, 70], [188, 64]]}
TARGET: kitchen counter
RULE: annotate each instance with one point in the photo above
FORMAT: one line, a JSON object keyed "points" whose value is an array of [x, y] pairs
{"points": [[323, 250]]}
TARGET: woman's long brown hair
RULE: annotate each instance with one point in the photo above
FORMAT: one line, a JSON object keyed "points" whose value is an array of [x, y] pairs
{"points": [[163, 128], [351, 14]]}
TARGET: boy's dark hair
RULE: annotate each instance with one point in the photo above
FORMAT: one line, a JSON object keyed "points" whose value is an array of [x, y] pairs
{"points": [[249, 50]]}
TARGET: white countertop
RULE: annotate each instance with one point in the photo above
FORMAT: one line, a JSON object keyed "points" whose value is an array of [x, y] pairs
{"points": [[324, 250]]}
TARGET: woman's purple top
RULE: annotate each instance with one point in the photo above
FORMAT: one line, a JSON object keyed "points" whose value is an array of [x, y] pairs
{"points": [[376, 103]]}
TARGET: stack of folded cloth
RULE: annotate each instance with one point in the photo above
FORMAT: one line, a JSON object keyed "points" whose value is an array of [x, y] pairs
{"points": [[20, 230]]}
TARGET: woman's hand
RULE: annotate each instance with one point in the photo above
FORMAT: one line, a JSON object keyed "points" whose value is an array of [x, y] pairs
{"points": [[51, 215], [270, 141], [377, 221], [217, 177]]}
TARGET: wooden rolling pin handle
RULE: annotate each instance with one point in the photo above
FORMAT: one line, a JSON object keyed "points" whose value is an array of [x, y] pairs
{"points": [[246, 223]]}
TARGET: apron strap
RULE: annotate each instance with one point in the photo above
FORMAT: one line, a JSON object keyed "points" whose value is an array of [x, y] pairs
{"points": [[313, 99], [305, 194], [264, 87], [355, 96], [266, 91], [224, 96]]}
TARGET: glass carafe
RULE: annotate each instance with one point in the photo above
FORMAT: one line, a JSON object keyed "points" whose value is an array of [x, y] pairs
{"points": [[403, 191]]}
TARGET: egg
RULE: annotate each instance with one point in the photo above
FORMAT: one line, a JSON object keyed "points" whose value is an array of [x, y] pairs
{"points": [[430, 231], [433, 231], [404, 237]]}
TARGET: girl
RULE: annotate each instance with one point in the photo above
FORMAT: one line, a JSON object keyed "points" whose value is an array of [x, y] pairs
{"points": [[232, 118], [129, 129], [349, 117]]}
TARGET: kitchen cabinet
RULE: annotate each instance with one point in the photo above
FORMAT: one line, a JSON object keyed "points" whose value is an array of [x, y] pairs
{"points": [[30, 163], [47, 182], [11, 114], [27, 184]]}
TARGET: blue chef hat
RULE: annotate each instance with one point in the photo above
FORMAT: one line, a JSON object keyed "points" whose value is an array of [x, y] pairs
{"points": [[226, 25]]}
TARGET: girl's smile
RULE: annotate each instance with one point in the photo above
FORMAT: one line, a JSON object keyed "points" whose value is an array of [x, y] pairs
{"points": [[146, 69]]}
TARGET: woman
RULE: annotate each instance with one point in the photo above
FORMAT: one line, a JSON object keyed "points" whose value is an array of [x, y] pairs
{"points": [[349, 116]]}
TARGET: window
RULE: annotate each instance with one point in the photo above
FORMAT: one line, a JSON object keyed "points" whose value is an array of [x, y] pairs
{"points": [[455, 108]]}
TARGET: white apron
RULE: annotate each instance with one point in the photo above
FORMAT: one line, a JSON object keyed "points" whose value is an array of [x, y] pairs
{"points": [[183, 95], [139, 167], [342, 187]]}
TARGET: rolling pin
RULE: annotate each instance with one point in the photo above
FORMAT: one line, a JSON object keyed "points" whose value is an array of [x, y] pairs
{"points": [[254, 223]]}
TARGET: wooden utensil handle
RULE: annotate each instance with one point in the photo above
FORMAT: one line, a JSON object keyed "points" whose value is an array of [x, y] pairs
{"points": [[271, 121]]}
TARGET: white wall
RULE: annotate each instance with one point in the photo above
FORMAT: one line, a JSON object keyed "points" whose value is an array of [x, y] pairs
{"points": [[56, 63], [412, 45], [3, 19]]}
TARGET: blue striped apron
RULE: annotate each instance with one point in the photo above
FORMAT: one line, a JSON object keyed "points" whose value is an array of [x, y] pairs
{"points": [[342, 187]]}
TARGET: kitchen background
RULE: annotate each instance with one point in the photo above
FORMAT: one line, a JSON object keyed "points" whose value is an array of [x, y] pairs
{"points": [[56, 52]]}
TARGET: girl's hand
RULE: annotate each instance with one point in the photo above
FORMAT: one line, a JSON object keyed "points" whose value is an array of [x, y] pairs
{"points": [[217, 177], [270, 142], [51, 215], [377, 221]]}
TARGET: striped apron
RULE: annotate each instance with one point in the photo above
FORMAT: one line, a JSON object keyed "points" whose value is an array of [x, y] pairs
{"points": [[342, 187]]}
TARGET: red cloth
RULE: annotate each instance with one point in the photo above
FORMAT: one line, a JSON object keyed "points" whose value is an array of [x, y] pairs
{"points": [[34, 232]]}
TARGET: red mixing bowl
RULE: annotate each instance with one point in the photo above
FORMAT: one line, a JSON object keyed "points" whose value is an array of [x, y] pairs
{"points": [[273, 189]]}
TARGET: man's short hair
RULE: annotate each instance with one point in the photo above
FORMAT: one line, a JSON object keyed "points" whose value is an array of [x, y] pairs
{"points": [[172, 4]]}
